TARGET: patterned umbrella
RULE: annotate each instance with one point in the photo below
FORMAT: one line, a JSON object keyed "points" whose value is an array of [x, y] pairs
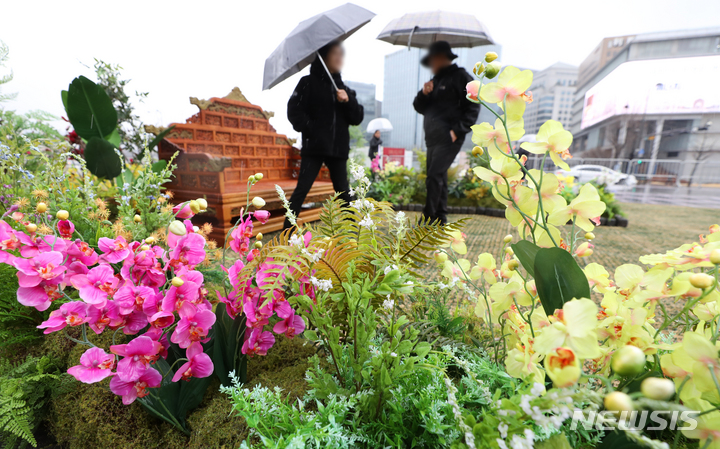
{"points": [[420, 29], [298, 49]]}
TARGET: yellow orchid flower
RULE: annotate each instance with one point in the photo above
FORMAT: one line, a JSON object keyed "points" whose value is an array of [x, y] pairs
{"points": [[501, 167], [585, 207], [548, 190], [511, 87], [574, 328], [522, 362], [708, 426], [598, 277], [525, 202], [700, 356], [552, 138], [455, 269], [563, 367], [457, 242], [495, 138], [485, 268]]}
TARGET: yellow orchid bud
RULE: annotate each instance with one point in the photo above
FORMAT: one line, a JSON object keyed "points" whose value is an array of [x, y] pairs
{"points": [[258, 244], [513, 264], [258, 202], [508, 238], [62, 214], [177, 282], [715, 257], [440, 257], [31, 227], [258, 176], [137, 218], [477, 151], [589, 236], [509, 251], [628, 361], [194, 206], [492, 70], [150, 240], [144, 248], [177, 228], [41, 207], [618, 402], [478, 68], [490, 56], [702, 280], [251, 179], [203, 203], [658, 388], [259, 236]]}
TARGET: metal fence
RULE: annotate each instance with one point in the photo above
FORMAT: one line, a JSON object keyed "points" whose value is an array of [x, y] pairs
{"points": [[668, 171]]}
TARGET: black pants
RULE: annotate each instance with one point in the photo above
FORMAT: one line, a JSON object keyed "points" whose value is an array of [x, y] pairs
{"points": [[439, 159], [309, 168]]}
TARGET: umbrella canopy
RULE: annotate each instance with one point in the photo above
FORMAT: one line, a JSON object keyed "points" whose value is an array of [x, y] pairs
{"points": [[420, 29], [379, 124], [298, 49]]}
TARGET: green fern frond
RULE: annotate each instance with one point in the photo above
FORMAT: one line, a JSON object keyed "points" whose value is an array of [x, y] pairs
{"points": [[424, 238]]}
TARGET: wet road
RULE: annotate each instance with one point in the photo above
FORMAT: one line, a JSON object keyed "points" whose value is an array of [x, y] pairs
{"points": [[706, 197]]}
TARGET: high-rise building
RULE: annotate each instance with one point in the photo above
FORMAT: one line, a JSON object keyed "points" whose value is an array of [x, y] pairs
{"points": [[652, 99], [366, 96], [404, 77], [553, 90]]}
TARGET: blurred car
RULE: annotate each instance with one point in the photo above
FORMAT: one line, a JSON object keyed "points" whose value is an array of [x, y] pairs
{"points": [[614, 180]]}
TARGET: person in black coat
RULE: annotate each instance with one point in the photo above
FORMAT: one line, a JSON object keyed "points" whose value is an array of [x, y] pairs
{"points": [[448, 118], [375, 143], [323, 116]]}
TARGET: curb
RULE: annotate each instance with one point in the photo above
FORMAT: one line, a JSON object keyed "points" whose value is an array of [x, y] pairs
{"points": [[493, 212]]}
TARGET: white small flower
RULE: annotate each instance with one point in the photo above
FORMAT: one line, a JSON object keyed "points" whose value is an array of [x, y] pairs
{"points": [[392, 354], [400, 217], [503, 428], [388, 304], [321, 284], [367, 222], [389, 268]]}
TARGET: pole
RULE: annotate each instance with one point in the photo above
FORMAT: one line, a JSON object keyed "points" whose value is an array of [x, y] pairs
{"points": [[322, 61]]}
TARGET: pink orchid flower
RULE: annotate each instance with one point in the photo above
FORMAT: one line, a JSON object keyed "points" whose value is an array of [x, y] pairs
{"points": [[258, 342], [99, 284], [43, 267], [129, 297], [198, 364], [240, 242], [131, 324], [33, 246], [290, 326], [40, 296], [254, 319], [95, 365], [262, 216], [181, 298], [114, 250], [190, 251], [183, 211], [161, 320], [131, 390], [172, 239], [9, 240], [81, 251], [66, 229], [69, 314], [193, 328], [137, 356], [101, 317]]}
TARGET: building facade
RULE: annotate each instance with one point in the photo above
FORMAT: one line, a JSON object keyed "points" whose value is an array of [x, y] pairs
{"points": [[553, 90], [653, 99], [404, 77]]}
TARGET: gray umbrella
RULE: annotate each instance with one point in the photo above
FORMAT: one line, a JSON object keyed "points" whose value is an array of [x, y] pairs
{"points": [[420, 29], [298, 49]]}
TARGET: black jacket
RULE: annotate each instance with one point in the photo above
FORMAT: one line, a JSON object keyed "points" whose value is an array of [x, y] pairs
{"points": [[314, 111], [375, 142], [446, 107]]}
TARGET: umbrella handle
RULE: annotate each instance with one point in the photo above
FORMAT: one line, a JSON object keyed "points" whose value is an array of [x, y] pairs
{"points": [[411, 35], [328, 71]]}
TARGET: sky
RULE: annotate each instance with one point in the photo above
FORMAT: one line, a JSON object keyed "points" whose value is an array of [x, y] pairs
{"points": [[180, 49]]}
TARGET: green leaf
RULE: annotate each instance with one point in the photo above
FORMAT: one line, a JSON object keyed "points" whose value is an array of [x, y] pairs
{"points": [[64, 95], [422, 349], [558, 279], [227, 353], [311, 335], [114, 138], [90, 109], [526, 251], [101, 159], [156, 141], [158, 166], [557, 441]]}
